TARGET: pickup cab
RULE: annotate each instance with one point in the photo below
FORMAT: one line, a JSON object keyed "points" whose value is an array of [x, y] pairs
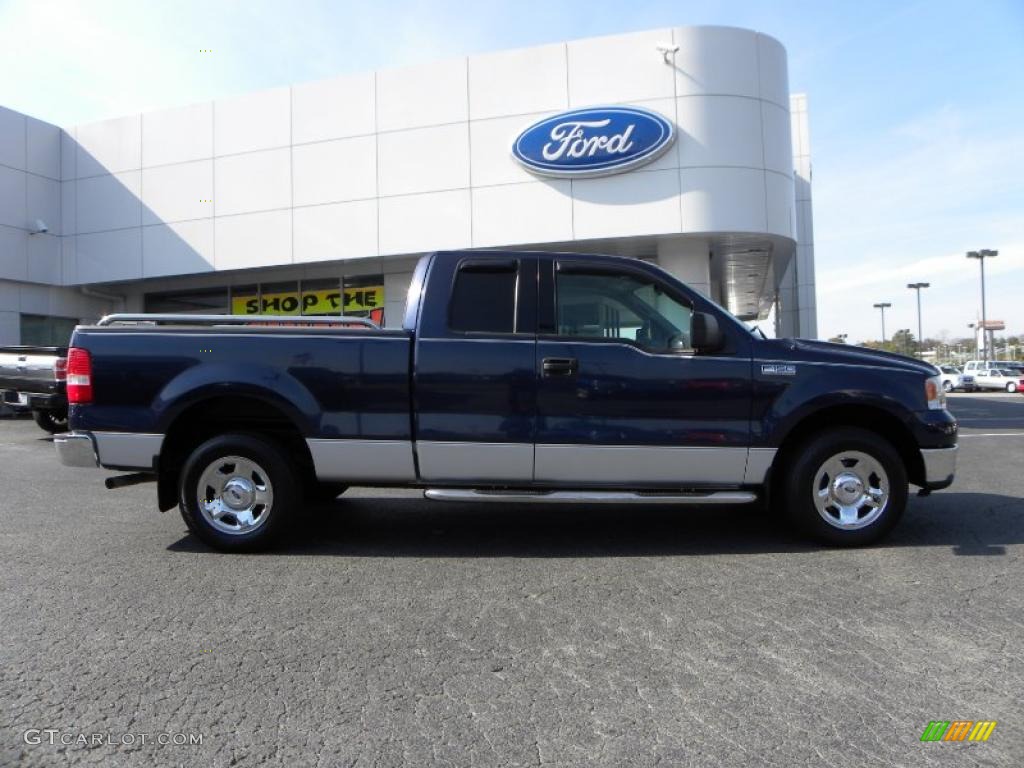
{"points": [[526, 377], [32, 379]]}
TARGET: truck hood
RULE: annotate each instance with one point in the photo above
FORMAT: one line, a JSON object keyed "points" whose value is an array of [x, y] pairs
{"points": [[827, 352]]}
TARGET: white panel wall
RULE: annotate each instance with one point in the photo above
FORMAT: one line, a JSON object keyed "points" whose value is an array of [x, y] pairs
{"points": [[177, 192], [32, 264], [173, 249], [518, 82], [335, 171], [177, 135], [109, 146], [336, 231], [12, 139], [429, 94], [334, 109], [255, 181], [255, 121], [402, 161]]}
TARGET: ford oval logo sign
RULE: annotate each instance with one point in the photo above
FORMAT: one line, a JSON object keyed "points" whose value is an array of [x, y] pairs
{"points": [[596, 141]]}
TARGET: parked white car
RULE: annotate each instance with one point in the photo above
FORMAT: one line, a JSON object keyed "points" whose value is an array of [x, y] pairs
{"points": [[950, 377], [1007, 379]]}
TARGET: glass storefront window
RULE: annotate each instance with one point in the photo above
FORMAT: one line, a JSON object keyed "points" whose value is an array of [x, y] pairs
{"points": [[44, 331], [279, 298], [361, 296], [364, 297], [321, 297], [203, 301], [245, 299]]}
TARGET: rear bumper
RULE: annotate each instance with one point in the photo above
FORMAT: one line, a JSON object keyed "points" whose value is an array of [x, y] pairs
{"points": [[113, 450], [939, 467], [32, 400], [76, 449]]}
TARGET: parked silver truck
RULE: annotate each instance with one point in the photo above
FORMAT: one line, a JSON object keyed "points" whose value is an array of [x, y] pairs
{"points": [[33, 379]]}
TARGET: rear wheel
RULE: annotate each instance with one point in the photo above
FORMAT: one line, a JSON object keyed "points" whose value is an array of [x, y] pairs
{"points": [[51, 421], [947, 386], [846, 487], [1011, 387], [238, 493]]}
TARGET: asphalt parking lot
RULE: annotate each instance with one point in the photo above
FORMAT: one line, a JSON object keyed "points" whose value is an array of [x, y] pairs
{"points": [[414, 633]]}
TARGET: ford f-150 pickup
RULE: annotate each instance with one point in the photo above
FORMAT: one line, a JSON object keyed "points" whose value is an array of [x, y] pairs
{"points": [[527, 377]]}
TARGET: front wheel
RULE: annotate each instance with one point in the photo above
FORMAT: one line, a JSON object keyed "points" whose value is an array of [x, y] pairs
{"points": [[1011, 387], [947, 386], [847, 487], [238, 493]]}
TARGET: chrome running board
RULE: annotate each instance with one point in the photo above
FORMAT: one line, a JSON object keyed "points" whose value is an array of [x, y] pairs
{"points": [[591, 497]]}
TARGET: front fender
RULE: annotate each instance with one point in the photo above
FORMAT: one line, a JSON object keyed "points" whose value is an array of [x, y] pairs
{"points": [[780, 406]]}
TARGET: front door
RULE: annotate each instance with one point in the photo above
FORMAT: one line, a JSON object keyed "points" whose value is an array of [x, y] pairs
{"points": [[622, 398], [474, 392]]}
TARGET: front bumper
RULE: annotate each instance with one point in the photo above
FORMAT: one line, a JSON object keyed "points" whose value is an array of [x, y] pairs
{"points": [[939, 467], [76, 449]]}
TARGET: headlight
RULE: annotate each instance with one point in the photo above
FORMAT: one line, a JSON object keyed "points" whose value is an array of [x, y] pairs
{"points": [[934, 394]]}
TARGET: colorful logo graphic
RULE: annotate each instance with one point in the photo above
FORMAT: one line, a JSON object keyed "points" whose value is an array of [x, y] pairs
{"points": [[958, 730]]}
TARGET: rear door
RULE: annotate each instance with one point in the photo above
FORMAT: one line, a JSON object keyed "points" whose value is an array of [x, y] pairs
{"points": [[622, 398], [474, 385]]}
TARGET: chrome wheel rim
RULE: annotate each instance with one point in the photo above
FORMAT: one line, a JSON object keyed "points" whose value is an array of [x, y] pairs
{"points": [[235, 495], [851, 490]]}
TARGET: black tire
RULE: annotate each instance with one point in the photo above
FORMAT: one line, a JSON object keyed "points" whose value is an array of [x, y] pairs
{"points": [[947, 386], [274, 471], [1011, 387], [799, 489], [51, 421]]}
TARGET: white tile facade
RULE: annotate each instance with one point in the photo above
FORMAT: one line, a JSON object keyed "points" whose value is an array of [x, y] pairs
{"points": [[399, 162]]}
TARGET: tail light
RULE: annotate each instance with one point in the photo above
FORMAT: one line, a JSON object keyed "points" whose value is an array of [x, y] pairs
{"points": [[60, 369], [79, 376]]}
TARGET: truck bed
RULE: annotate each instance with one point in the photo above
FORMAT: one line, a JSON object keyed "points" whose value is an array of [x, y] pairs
{"points": [[335, 382]]}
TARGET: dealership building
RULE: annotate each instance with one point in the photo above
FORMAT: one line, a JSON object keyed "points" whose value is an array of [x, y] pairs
{"points": [[318, 198]]}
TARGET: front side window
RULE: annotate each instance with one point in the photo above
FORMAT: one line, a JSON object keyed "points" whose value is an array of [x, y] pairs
{"points": [[622, 306], [484, 299]]}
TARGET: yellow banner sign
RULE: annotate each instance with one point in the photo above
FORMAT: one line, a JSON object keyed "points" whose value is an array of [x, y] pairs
{"points": [[327, 302]]}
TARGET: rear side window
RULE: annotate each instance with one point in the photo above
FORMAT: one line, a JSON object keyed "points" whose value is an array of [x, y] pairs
{"points": [[484, 299]]}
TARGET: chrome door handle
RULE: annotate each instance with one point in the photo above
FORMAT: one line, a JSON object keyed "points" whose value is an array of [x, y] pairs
{"points": [[559, 366]]}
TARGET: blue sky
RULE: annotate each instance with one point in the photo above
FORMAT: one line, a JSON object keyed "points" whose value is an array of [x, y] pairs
{"points": [[916, 109]]}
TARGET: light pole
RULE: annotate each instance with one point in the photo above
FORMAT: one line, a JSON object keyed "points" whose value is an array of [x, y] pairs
{"points": [[920, 339], [883, 306], [981, 256]]}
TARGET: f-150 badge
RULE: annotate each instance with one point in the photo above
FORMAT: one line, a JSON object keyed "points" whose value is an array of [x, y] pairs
{"points": [[778, 369]]}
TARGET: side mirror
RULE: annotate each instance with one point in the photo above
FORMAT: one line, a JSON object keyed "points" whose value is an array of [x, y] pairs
{"points": [[705, 333]]}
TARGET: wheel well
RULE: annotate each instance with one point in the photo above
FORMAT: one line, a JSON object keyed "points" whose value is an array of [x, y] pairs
{"points": [[862, 417], [221, 415]]}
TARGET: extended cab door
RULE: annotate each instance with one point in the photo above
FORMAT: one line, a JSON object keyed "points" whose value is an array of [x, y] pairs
{"points": [[622, 398], [474, 390]]}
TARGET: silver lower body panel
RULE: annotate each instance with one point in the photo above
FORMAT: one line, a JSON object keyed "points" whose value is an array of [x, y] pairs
{"points": [[76, 449], [362, 460], [589, 497], [939, 464], [636, 464], [124, 450], [133, 450], [475, 462]]}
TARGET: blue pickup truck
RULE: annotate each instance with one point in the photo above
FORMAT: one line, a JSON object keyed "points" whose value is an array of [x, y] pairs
{"points": [[527, 377]]}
